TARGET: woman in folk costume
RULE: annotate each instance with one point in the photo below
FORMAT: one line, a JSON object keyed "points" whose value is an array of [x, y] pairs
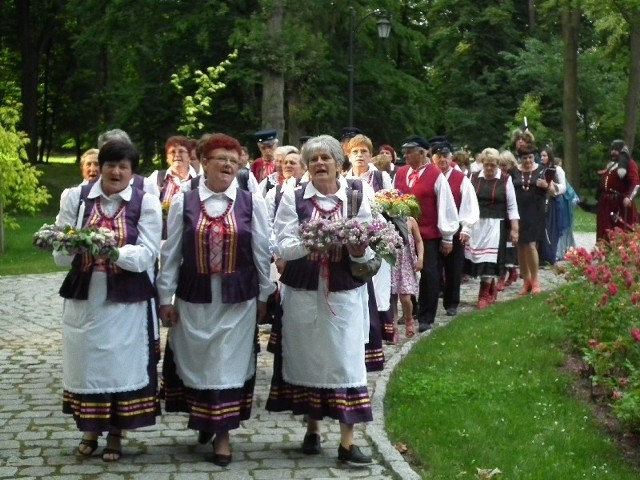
{"points": [[109, 334], [325, 324], [485, 252], [216, 262], [359, 150]]}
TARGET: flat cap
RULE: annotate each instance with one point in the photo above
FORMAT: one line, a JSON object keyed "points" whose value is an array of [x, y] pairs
{"points": [[413, 141], [266, 137]]}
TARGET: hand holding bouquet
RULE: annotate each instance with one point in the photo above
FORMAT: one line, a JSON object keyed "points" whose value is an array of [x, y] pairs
{"points": [[321, 235], [97, 241]]}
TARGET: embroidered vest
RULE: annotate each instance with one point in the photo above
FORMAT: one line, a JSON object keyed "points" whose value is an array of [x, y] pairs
{"points": [[455, 182], [425, 192], [239, 274], [492, 195], [123, 286], [304, 272]]}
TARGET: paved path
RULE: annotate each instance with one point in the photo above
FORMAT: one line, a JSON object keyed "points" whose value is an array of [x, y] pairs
{"points": [[37, 441]]}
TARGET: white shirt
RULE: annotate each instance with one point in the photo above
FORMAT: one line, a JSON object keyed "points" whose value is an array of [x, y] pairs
{"points": [[215, 204], [469, 211]]}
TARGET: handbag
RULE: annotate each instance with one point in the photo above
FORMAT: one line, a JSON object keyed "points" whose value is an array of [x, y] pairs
{"points": [[365, 271]]}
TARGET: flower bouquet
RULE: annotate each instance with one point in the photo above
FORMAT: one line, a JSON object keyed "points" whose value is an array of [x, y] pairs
{"points": [[321, 235], [97, 241], [397, 204]]}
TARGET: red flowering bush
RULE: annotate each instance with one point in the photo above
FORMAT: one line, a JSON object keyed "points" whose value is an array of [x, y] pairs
{"points": [[599, 309]]}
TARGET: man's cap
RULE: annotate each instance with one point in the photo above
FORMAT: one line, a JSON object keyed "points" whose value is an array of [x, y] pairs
{"points": [[304, 139], [442, 148], [349, 132], [413, 141], [617, 145], [437, 139], [266, 137]]}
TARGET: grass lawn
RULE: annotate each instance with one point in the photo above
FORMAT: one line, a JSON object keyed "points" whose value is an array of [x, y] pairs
{"points": [[487, 391], [20, 256]]}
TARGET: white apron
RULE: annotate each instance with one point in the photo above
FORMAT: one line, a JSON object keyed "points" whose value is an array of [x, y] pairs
{"points": [[382, 286], [484, 241], [105, 347], [213, 343], [323, 337]]}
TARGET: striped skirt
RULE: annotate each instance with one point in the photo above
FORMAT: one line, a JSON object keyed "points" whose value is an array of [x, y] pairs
{"points": [[347, 405], [213, 411], [100, 412]]}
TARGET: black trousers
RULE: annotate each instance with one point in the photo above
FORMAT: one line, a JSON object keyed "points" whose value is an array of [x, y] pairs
{"points": [[429, 291], [452, 266]]}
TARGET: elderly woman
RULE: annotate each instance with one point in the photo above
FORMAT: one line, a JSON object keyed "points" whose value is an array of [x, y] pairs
{"points": [[216, 262], [485, 252], [109, 335], [89, 166], [323, 359], [180, 171], [277, 177], [531, 189]]}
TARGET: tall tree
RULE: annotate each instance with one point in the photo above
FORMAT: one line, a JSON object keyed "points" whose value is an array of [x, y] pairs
{"points": [[570, 32]]}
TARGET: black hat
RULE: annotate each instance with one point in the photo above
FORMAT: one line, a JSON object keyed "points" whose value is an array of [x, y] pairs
{"points": [[304, 139], [443, 148], [415, 141], [349, 132], [437, 139], [266, 137]]}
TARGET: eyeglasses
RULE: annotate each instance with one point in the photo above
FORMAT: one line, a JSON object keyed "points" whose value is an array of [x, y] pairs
{"points": [[180, 151], [223, 160]]}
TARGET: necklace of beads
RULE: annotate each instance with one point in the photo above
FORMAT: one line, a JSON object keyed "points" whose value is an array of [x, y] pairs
{"points": [[526, 186], [326, 213], [217, 218]]}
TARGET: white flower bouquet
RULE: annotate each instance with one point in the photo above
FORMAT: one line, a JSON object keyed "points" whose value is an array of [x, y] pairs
{"points": [[97, 241]]}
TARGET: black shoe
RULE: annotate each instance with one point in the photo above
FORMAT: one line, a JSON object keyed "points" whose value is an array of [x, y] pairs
{"points": [[452, 312], [353, 456], [221, 460], [423, 327], [311, 444]]}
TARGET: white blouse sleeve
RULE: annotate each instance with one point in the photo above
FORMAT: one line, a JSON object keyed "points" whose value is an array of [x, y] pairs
{"points": [[448, 221], [142, 256], [285, 227], [469, 209], [171, 252], [260, 233]]}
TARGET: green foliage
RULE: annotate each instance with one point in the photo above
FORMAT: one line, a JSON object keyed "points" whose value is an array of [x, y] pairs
{"points": [[200, 103], [20, 191]]}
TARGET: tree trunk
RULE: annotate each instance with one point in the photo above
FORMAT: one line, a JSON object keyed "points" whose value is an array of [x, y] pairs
{"points": [[532, 15], [273, 82], [633, 92], [570, 33], [29, 84]]}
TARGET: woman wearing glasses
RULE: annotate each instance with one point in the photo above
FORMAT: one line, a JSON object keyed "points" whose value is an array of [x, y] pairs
{"points": [[170, 180], [216, 263]]}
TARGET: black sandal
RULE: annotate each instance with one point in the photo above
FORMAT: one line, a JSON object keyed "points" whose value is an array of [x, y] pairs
{"points": [[86, 442], [117, 452]]}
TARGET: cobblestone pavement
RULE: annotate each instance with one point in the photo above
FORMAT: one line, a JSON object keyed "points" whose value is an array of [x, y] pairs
{"points": [[37, 441]]}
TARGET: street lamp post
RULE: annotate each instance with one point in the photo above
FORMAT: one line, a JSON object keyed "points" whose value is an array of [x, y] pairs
{"points": [[384, 28]]}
